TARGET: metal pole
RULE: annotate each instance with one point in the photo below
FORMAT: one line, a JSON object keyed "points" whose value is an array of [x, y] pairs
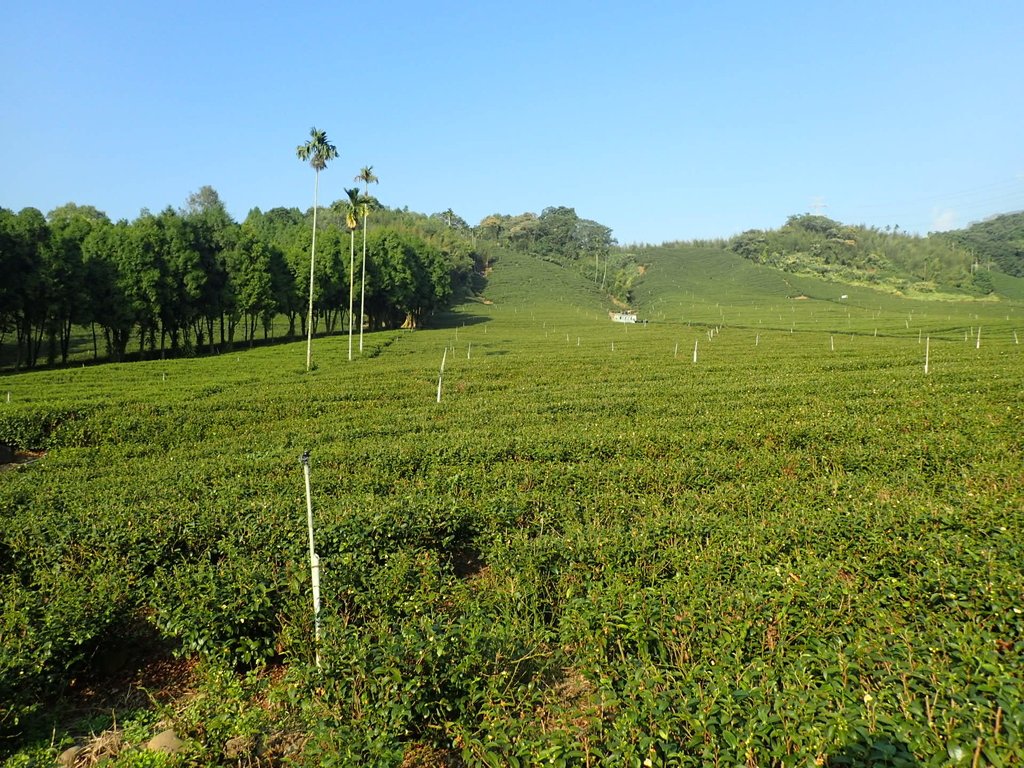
{"points": [[314, 559]]}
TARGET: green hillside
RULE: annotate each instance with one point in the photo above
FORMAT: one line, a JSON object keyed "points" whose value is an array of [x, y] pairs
{"points": [[906, 264], [996, 241], [690, 284], [757, 529]]}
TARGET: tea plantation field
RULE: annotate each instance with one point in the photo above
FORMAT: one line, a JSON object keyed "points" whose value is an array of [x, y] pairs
{"points": [[793, 546]]}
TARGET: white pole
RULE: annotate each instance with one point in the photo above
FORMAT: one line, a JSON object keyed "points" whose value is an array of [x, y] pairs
{"points": [[676, 353], [927, 344], [695, 341], [757, 339], [978, 345], [469, 350], [832, 343], [1014, 341], [314, 559], [440, 376]]}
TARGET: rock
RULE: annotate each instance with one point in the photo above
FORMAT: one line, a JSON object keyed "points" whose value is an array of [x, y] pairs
{"points": [[165, 741], [68, 757], [239, 747]]}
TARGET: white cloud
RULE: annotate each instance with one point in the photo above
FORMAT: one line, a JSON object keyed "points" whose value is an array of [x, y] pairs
{"points": [[943, 220]]}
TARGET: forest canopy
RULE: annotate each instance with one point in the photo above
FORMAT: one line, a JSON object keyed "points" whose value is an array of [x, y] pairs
{"points": [[192, 280]]}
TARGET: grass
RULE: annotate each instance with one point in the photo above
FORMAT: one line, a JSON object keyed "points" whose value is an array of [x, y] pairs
{"points": [[592, 551]]}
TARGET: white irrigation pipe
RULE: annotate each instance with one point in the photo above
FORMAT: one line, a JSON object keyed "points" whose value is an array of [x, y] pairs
{"points": [[314, 560], [440, 376], [695, 341]]}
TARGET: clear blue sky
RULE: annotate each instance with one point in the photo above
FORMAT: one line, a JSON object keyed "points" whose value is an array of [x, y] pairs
{"points": [[663, 120]]}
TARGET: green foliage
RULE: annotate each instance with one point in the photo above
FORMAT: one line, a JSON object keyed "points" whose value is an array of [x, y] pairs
{"points": [[42, 428], [561, 237], [817, 245], [188, 281], [998, 240], [800, 550]]}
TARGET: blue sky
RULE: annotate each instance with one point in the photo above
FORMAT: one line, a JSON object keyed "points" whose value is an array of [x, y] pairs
{"points": [[663, 120]]}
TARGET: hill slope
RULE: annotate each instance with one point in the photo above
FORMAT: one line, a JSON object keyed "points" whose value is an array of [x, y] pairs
{"points": [[717, 286], [999, 240], [908, 264]]}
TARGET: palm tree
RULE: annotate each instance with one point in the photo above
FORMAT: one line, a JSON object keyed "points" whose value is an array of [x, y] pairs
{"points": [[366, 176], [318, 151], [352, 222]]}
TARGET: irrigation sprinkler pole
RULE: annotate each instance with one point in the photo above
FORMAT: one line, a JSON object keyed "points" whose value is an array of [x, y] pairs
{"points": [[314, 560], [927, 344]]}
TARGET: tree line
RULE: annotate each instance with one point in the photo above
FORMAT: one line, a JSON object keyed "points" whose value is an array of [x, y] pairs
{"points": [[819, 245], [996, 241], [190, 280]]}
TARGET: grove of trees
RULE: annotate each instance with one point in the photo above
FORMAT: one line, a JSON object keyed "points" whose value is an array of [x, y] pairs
{"points": [[192, 280], [819, 245], [998, 240]]}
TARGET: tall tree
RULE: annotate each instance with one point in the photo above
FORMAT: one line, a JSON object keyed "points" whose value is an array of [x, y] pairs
{"points": [[216, 234], [65, 272], [110, 306], [352, 222], [318, 151], [366, 176]]}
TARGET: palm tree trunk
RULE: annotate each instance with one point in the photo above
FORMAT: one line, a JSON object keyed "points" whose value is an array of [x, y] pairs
{"points": [[362, 284], [312, 259], [351, 284]]}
